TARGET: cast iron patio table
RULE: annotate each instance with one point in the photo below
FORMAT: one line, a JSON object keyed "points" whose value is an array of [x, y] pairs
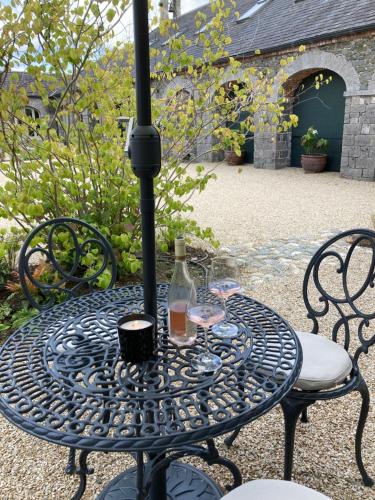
{"points": [[62, 380]]}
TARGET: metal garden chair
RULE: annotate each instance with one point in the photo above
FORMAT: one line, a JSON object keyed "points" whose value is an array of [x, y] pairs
{"points": [[62, 245], [330, 367], [272, 489]]}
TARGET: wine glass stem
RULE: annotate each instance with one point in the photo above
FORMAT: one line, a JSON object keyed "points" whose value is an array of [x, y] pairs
{"points": [[205, 340], [225, 309]]}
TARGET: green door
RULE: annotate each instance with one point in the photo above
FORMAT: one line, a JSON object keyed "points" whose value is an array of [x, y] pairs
{"points": [[323, 109], [248, 147]]}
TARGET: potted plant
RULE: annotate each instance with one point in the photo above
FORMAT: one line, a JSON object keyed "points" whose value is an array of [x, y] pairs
{"points": [[315, 158], [233, 154]]}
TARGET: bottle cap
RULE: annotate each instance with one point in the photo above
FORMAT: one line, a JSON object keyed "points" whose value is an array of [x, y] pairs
{"points": [[179, 246]]}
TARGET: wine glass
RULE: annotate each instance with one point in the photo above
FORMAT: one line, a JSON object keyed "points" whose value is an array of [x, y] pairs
{"points": [[204, 314], [224, 282]]}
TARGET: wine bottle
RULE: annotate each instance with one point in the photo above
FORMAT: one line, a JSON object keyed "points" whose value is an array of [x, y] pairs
{"points": [[181, 330]]}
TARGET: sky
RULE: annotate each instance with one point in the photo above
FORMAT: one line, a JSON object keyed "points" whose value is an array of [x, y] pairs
{"points": [[186, 6], [125, 31]]}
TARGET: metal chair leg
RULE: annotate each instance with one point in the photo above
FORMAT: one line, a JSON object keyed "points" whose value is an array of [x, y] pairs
{"points": [[71, 465], [304, 417], [292, 409], [363, 390]]}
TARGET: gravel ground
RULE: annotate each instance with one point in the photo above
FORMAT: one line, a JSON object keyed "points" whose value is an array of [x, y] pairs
{"points": [[256, 206]]}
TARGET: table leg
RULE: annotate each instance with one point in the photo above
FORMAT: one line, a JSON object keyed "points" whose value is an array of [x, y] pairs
{"points": [[183, 482], [83, 471], [165, 475], [140, 476], [158, 489]]}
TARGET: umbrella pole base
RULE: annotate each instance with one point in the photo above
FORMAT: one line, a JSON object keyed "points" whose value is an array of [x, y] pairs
{"points": [[184, 482]]}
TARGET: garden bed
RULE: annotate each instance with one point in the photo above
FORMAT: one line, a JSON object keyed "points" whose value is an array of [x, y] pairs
{"points": [[15, 310]]}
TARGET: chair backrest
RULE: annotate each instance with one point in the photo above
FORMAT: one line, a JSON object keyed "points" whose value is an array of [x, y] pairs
{"points": [[62, 257], [342, 272]]}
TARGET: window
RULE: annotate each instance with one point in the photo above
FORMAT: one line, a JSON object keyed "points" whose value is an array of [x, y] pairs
{"points": [[182, 98], [253, 10], [33, 114]]}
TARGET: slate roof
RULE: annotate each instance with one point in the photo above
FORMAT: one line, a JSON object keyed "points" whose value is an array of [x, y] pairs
{"points": [[25, 80], [285, 23]]}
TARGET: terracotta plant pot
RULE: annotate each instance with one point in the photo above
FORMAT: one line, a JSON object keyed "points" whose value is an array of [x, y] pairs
{"points": [[312, 164], [232, 159]]}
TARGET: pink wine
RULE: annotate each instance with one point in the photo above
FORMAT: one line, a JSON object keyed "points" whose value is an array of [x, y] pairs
{"points": [[224, 288], [181, 331], [205, 314]]}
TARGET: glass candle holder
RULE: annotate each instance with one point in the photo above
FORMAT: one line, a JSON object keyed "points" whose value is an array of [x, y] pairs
{"points": [[136, 334]]}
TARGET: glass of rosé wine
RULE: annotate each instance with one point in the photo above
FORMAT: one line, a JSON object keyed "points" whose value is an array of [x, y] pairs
{"points": [[204, 314], [223, 282]]}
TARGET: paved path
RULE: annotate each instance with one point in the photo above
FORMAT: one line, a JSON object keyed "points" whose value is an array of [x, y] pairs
{"points": [[276, 258], [275, 220]]}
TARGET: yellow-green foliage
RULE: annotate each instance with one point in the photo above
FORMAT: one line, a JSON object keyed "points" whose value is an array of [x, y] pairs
{"points": [[63, 165]]}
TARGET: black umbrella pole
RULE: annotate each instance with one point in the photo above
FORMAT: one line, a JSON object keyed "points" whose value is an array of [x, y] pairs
{"points": [[145, 152], [148, 246]]}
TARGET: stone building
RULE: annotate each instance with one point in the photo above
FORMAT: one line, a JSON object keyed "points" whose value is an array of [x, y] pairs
{"points": [[339, 37], [35, 107]]}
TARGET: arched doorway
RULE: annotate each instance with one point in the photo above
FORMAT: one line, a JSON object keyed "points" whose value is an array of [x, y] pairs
{"points": [[248, 146], [324, 109]]}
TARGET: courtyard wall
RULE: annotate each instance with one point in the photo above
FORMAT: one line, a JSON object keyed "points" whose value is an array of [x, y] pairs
{"points": [[352, 58]]}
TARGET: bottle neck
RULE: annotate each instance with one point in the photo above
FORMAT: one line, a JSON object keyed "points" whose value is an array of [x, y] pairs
{"points": [[181, 267], [180, 262]]}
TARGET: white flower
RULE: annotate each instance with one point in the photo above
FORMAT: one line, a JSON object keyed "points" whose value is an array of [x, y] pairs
{"points": [[314, 131]]}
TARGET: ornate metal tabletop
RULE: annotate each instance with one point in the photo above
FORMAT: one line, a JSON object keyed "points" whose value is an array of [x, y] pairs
{"points": [[61, 378]]}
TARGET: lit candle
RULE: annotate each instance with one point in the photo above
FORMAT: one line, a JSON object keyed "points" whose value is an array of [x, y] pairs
{"points": [[136, 335], [136, 324]]}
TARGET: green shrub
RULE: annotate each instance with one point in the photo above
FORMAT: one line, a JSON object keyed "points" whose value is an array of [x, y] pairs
{"points": [[71, 162], [10, 243], [312, 144]]}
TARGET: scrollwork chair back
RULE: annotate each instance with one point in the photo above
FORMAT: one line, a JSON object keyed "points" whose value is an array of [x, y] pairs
{"points": [[352, 319], [63, 244]]}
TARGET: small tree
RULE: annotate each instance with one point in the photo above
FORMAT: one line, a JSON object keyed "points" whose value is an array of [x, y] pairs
{"points": [[71, 161]]}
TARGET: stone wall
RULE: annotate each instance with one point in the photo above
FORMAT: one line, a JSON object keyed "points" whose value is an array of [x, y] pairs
{"points": [[271, 151], [358, 147], [359, 51], [36, 102], [353, 59]]}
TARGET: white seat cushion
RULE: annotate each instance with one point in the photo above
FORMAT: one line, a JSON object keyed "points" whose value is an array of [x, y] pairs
{"points": [[325, 363], [272, 489]]}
